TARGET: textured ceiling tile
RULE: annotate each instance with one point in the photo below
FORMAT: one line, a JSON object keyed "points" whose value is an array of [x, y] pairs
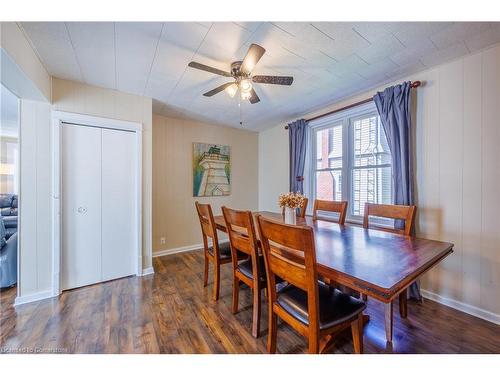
{"points": [[484, 38], [348, 66], [173, 55], [94, 44], [410, 32], [292, 28], [380, 49], [445, 55], [373, 31], [457, 33], [414, 52], [53, 45], [214, 54], [160, 87], [378, 69], [406, 70], [136, 44], [345, 40], [227, 36], [315, 38], [250, 26], [185, 35], [272, 38]]}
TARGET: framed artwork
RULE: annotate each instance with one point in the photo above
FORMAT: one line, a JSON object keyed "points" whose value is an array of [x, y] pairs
{"points": [[211, 170]]}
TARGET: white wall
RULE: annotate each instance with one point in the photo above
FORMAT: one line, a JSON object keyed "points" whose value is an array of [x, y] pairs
{"points": [[274, 165], [174, 214], [35, 254], [457, 171], [76, 97]]}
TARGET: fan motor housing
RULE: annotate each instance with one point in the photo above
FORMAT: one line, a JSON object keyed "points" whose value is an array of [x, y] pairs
{"points": [[235, 69]]}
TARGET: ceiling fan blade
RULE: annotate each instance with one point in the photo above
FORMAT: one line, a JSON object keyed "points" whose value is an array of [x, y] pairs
{"points": [[274, 80], [255, 52], [254, 98], [207, 68], [218, 89]]}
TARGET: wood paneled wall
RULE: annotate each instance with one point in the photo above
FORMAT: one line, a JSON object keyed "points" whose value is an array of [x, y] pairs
{"points": [[458, 161]]}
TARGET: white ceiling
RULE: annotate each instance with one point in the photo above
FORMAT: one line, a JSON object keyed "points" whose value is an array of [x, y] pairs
{"points": [[328, 60]]}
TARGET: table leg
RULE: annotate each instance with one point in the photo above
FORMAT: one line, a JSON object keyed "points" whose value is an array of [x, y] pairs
{"points": [[403, 305], [366, 319], [388, 321]]}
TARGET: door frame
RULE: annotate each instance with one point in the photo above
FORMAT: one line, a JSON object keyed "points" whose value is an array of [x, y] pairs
{"points": [[58, 118]]}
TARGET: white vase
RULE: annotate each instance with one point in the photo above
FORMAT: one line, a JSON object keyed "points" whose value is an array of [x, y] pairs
{"points": [[290, 215]]}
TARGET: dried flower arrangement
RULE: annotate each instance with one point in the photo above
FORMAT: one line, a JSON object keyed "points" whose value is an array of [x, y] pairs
{"points": [[291, 200]]}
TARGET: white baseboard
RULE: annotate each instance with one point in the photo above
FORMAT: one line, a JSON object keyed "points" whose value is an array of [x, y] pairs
{"points": [[33, 297], [461, 306], [176, 250], [181, 249], [148, 271]]}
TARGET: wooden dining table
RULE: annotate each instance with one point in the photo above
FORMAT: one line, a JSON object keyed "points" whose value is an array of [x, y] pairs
{"points": [[375, 263]]}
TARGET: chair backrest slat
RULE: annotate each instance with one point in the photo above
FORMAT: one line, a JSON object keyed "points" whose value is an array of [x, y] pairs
{"points": [[240, 230], [208, 228], [242, 235], [330, 206], [390, 211]]}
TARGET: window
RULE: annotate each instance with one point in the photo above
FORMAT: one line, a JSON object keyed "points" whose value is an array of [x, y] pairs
{"points": [[353, 160]]}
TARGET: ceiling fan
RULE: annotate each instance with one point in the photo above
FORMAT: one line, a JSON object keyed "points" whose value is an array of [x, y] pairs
{"points": [[241, 71]]}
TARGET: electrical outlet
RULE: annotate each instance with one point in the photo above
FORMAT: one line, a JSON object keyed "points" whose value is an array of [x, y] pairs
{"points": [[162, 240]]}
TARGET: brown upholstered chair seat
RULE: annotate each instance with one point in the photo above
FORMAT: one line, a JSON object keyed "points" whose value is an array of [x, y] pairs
{"points": [[224, 250], [335, 307], [246, 268]]}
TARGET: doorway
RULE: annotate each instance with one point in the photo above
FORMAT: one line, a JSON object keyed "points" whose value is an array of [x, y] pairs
{"points": [[9, 188]]}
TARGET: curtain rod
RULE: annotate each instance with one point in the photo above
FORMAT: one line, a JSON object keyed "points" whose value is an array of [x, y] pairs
{"points": [[413, 86]]}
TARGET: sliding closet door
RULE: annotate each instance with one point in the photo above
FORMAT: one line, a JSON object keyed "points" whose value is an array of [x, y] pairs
{"points": [[119, 199], [81, 206]]}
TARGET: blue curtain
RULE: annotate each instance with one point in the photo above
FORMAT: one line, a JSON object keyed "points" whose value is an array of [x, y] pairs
{"points": [[297, 131], [394, 105]]}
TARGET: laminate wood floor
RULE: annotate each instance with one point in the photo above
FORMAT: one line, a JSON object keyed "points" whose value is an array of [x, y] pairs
{"points": [[171, 312]]}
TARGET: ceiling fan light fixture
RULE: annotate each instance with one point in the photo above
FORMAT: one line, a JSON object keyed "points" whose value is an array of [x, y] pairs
{"points": [[246, 85], [241, 72], [245, 95], [231, 90]]}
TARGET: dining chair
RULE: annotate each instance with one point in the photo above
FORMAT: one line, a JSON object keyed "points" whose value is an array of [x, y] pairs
{"points": [[390, 211], [397, 212], [308, 306], [339, 207], [302, 208], [218, 252], [252, 272]]}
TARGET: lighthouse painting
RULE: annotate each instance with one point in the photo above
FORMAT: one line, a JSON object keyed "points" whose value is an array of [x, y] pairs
{"points": [[211, 170]]}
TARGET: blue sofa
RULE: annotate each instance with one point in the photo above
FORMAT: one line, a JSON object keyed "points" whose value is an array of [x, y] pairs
{"points": [[8, 210], [8, 240]]}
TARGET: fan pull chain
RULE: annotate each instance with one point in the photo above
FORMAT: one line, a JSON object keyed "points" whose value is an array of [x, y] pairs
{"points": [[239, 105]]}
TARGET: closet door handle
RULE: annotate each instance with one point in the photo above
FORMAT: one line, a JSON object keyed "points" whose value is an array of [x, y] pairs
{"points": [[82, 210]]}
